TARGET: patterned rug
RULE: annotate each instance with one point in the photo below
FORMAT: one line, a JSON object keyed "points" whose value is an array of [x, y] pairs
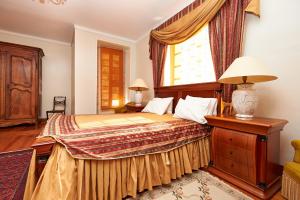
{"points": [[13, 174], [198, 186]]}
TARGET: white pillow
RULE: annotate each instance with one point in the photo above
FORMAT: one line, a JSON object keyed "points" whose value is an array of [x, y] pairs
{"points": [[192, 110], [181, 110], [213, 103], [170, 107], [158, 105]]}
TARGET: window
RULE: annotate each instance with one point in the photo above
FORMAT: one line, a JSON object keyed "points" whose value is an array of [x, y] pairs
{"points": [[190, 61], [111, 78]]}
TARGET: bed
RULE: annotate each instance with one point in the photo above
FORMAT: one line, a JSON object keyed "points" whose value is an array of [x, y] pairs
{"points": [[98, 168]]}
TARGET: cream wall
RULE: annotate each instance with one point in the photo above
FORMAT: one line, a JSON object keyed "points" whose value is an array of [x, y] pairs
{"points": [[144, 66], [274, 39], [85, 66], [56, 66]]}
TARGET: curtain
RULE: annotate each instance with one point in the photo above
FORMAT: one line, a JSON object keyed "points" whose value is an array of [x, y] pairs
{"points": [[183, 25], [188, 25], [254, 7], [158, 50], [158, 55], [226, 36]]}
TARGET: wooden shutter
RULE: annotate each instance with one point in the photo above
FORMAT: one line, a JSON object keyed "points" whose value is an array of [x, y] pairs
{"points": [[111, 76]]}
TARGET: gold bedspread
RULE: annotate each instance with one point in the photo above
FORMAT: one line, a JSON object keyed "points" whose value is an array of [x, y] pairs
{"points": [[94, 121], [68, 178]]}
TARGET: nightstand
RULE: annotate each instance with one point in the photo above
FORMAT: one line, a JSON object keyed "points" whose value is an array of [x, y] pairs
{"points": [[131, 107], [246, 153]]}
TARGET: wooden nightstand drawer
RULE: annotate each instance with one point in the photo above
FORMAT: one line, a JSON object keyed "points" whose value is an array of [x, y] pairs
{"points": [[234, 153], [234, 138], [237, 169], [239, 155], [246, 153]]}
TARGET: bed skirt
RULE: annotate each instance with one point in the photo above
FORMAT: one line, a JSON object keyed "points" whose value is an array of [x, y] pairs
{"points": [[65, 177], [290, 188]]}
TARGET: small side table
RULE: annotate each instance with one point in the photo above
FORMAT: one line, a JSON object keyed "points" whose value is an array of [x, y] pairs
{"points": [[246, 153], [131, 107]]}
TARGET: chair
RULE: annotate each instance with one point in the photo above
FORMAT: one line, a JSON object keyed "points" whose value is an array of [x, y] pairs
{"points": [[59, 105], [291, 175]]}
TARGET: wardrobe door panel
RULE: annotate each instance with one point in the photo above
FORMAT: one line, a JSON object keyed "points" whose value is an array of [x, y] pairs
{"points": [[2, 83], [20, 91], [20, 67]]}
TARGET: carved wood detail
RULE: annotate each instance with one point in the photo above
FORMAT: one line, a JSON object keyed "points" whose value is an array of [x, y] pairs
{"points": [[212, 90], [20, 67]]}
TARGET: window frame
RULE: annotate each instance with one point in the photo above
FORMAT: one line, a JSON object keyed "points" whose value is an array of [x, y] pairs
{"points": [[172, 66], [111, 52]]}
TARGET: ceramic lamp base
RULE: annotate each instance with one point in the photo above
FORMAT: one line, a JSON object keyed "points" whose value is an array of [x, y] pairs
{"points": [[244, 101], [138, 98]]}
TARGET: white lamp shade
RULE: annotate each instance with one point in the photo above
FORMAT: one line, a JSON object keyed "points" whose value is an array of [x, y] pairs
{"points": [[249, 67], [139, 85]]}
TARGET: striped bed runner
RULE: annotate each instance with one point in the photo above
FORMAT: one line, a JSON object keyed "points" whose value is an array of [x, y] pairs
{"points": [[121, 141]]}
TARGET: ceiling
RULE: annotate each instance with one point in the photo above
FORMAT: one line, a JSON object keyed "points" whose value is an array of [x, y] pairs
{"points": [[130, 19]]}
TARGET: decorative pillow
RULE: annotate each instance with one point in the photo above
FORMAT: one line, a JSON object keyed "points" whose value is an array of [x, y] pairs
{"points": [[192, 110], [213, 103], [158, 105]]}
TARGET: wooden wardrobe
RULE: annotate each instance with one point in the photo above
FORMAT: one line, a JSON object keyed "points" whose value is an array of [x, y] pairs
{"points": [[20, 84]]}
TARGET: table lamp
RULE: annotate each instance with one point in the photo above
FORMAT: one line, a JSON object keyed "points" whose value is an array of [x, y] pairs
{"points": [[138, 85], [245, 71]]}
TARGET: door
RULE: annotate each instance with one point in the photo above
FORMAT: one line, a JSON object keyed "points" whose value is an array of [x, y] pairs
{"points": [[20, 85], [111, 78], [3, 59]]}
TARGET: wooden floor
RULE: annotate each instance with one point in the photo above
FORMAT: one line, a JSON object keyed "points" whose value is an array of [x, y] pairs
{"points": [[18, 137], [22, 137]]}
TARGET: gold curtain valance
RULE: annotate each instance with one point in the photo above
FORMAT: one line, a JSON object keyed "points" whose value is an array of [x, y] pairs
{"points": [[189, 24], [254, 7]]}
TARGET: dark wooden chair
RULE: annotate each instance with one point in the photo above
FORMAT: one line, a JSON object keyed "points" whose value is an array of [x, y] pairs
{"points": [[59, 105]]}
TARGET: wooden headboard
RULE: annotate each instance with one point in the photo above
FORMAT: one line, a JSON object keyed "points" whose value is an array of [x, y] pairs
{"points": [[212, 89]]}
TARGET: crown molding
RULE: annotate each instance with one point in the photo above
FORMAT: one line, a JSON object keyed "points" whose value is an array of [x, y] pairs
{"points": [[34, 37], [104, 34], [143, 36]]}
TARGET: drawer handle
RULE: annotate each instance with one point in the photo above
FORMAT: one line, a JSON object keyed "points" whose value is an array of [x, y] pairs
{"points": [[230, 139], [230, 152], [232, 165]]}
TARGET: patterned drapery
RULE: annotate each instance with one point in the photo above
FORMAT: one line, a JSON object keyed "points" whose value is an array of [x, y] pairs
{"points": [[158, 56], [226, 38], [158, 49]]}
